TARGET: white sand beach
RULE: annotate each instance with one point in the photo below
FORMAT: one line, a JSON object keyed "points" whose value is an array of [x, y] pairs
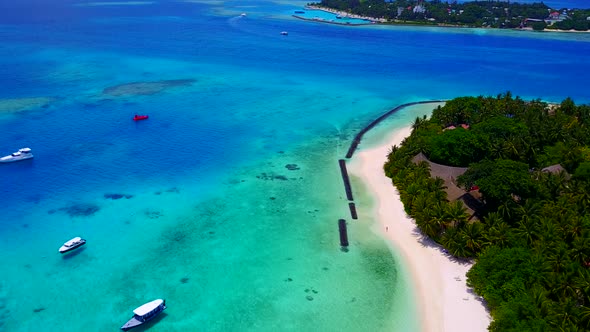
{"points": [[445, 302]]}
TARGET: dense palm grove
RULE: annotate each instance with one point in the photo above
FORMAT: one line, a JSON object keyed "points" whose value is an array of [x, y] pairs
{"points": [[531, 234], [494, 14]]}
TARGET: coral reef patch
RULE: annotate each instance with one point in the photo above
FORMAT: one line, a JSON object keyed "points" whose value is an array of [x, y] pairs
{"points": [[117, 196], [15, 105], [271, 176], [80, 209], [145, 88], [292, 167]]}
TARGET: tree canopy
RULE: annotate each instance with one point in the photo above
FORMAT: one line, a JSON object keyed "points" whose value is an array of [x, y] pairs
{"points": [[494, 14], [529, 164]]}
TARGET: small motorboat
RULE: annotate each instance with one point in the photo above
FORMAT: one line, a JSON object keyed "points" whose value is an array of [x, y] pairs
{"points": [[243, 14], [145, 313], [284, 33], [21, 154], [140, 117], [72, 244]]}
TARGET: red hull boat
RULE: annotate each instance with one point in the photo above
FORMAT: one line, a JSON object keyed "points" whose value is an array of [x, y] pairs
{"points": [[140, 117]]}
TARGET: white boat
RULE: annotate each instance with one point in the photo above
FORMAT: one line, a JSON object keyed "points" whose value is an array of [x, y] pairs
{"points": [[72, 244], [21, 154], [145, 313], [243, 14], [284, 33]]}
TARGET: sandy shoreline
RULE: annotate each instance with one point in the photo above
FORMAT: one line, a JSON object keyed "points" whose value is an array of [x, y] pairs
{"points": [[444, 300]]}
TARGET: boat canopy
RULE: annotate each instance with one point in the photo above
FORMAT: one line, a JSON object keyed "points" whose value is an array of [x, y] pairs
{"points": [[73, 241], [25, 150], [148, 307]]}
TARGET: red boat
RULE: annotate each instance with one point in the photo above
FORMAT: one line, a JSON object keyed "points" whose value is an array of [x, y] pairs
{"points": [[140, 117]]}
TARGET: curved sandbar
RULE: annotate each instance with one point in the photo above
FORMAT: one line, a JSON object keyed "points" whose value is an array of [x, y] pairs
{"points": [[445, 303]]}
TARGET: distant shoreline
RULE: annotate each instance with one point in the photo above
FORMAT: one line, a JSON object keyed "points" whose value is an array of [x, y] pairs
{"points": [[383, 21]]}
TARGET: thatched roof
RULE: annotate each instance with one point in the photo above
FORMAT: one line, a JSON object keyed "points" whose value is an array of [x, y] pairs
{"points": [[554, 169]]}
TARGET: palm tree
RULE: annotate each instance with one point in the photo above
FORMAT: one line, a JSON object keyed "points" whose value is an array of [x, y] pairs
{"points": [[506, 210], [454, 242], [582, 285], [419, 122], [428, 226], [573, 228], [437, 184], [497, 235], [565, 316], [492, 218], [585, 317], [455, 213], [530, 208], [473, 237], [422, 168], [439, 213], [527, 230], [548, 231], [559, 258], [540, 299], [421, 203], [413, 191]]}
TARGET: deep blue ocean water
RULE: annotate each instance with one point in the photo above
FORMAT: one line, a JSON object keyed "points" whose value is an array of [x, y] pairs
{"points": [[215, 222]]}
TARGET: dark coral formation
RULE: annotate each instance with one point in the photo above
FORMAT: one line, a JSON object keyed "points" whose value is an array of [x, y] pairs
{"points": [[272, 177], [80, 209], [292, 167], [169, 190], [153, 214], [117, 196], [184, 280]]}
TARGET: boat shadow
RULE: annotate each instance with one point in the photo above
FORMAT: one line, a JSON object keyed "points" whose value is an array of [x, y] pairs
{"points": [[72, 254], [147, 325], [21, 164]]}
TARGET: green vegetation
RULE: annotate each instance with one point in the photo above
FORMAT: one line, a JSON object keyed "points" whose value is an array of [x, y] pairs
{"points": [[530, 234], [492, 14]]}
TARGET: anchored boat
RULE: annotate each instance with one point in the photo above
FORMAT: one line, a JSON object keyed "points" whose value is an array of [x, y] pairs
{"points": [[72, 244], [145, 313], [21, 154]]}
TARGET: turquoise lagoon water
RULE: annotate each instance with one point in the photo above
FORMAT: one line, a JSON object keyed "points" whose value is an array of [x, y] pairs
{"points": [[327, 17], [214, 221]]}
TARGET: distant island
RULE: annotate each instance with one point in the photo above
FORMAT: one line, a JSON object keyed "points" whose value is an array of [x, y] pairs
{"points": [[507, 182], [476, 14]]}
